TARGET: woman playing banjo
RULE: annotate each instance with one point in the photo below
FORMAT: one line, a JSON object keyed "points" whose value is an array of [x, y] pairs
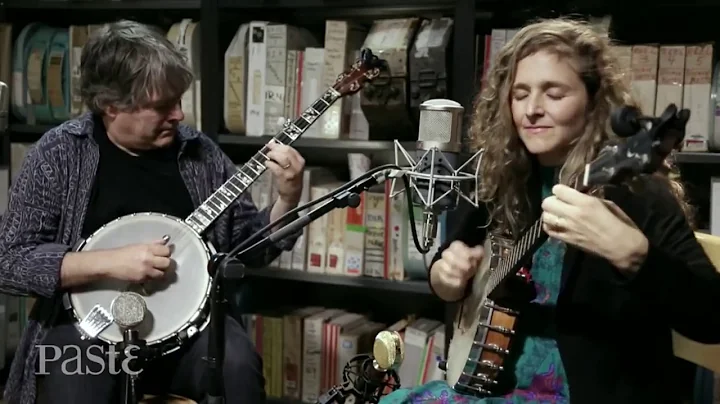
{"points": [[617, 273], [129, 154]]}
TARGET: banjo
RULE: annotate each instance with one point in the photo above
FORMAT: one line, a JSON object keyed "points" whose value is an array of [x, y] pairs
{"points": [[485, 325], [177, 305]]}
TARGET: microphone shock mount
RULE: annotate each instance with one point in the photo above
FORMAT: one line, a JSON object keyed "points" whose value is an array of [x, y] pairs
{"points": [[359, 383], [367, 378]]}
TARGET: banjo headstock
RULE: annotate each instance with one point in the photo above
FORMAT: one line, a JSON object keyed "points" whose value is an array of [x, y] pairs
{"points": [[365, 69], [649, 141]]}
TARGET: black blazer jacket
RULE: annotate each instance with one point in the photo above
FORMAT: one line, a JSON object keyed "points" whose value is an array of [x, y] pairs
{"points": [[614, 332]]}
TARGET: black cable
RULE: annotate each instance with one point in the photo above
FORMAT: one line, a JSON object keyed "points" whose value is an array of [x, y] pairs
{"points": [[411, 217]]}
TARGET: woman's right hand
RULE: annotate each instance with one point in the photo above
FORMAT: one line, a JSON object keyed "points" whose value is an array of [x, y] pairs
{"points": [[140, 262], [456, 266]]}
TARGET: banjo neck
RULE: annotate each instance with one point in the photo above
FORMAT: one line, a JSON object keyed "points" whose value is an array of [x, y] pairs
{"points": [[214, 206], [519, 254], [529, 242]]}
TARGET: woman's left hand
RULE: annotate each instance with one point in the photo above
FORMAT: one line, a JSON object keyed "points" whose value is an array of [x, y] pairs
{"points": [[594, 225]]}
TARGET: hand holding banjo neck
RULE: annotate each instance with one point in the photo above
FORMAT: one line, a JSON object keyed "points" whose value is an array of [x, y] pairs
{"points": [[484, 328]]}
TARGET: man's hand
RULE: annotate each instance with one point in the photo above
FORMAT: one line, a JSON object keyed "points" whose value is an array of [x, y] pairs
{"points": [[287, 167], [140, 262], [135, 263]]}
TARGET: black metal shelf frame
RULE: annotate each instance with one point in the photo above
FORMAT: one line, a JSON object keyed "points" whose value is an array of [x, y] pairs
{"points": [[408, 286], [411, 5], [102, 4], [697, 158]]}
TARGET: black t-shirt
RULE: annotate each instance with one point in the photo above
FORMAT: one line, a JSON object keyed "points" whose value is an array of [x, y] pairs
{"points": [[126, 184]]}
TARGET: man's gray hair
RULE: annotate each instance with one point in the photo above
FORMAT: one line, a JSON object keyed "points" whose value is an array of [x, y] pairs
{"points": [[130, 65]]}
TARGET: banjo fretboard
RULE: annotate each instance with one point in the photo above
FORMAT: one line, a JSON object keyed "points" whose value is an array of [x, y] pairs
{"points": [[224, 196], [520, 253]]}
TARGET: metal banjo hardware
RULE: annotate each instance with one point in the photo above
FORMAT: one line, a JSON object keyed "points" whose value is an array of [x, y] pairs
{"points": [[177, 304], [484, 328]]}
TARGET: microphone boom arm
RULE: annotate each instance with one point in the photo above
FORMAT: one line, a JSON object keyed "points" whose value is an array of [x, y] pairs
{"points": [[349, 197], [217, 268]]}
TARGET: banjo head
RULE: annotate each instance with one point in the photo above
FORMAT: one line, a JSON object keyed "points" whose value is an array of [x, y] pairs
{"points": [[467, 321], [172, 302]]}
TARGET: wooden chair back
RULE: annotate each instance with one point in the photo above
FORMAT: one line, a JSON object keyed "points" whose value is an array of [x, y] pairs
{"points": [[705, 355]]}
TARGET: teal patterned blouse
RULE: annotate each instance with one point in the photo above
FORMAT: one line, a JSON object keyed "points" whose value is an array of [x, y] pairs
{"points": [[539, 370]]}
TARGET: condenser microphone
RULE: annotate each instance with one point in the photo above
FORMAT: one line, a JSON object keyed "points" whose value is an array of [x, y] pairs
{"points": [[437, 178], [437, 148], [437, 153], [128, 310]]}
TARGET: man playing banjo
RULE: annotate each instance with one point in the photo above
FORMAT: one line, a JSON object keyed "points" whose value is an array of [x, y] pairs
{"points": [[129, 154]]}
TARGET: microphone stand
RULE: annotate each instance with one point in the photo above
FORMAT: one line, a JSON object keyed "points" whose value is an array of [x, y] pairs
{"points": [[336, 394], [216, 335], [129, 393], [217, 268]]}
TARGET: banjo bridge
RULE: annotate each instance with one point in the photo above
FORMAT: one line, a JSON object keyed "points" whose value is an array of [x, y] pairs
{"points": [[96, 321]]}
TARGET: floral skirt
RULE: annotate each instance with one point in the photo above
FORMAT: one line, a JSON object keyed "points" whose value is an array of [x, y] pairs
{"points": [[438, 392]]}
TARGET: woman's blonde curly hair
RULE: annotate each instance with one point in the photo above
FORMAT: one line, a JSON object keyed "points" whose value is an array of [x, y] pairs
{"points": [[506, 164]]}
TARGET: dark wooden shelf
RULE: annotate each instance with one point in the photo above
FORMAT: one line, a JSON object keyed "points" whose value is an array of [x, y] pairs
{"points": [[410, 286], [275, 400], [104, 4], [24, 133], [301, 4], [23, 128], [318, 143], [697, 158]]}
